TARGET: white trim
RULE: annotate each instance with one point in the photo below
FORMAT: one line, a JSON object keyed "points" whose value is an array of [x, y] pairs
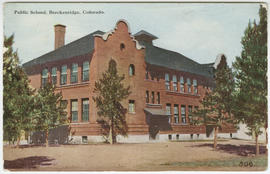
{"points": [[107, 34]]}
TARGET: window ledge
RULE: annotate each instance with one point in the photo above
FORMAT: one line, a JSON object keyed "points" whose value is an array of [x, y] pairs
{"points": [[183, 93], [149, 80], [74, 123], [73, 84], [132, 112]]}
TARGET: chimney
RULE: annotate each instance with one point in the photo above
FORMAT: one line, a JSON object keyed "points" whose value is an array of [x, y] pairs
{"points": [[59, 32]]}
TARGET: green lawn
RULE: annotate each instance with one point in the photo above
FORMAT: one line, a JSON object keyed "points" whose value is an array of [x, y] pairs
{"points": [[260, 161]]}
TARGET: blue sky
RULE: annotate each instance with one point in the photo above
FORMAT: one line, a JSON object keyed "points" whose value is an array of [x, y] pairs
{"points": [[199, 31]]}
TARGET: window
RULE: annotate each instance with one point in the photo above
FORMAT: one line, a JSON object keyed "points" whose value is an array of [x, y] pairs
{"points": [[131, 106], [195, 85], [158, 97], [189, 85], [183, 113], [147, 96], [152, 76], [182, 84], [177, 136], [190, 113], [74, 73], [167, 81], [85, 110], [64, 75], [84, 139], [168, 111], [85, 71], [174, 83], [146, 75], [170, 137], [54, 75], [122, 46], [74, 110], [176, 114], [44, 77], [131, 70], [153, 97]]}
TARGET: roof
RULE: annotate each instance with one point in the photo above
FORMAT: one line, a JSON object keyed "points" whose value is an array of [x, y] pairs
{"points": [[143, 32], [155, 111], [154, 55], [173, 60], [78, 47]]}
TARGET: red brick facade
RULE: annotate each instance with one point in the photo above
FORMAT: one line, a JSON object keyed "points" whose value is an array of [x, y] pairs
{"points": [[120, 46]]}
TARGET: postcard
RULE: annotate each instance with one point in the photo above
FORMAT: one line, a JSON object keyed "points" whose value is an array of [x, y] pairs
{"points": [[135, 86]]}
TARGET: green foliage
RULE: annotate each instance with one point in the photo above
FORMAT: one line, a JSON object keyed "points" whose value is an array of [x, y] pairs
{"points": [[110, 92], [17, 96], [251, 74], [49, 109], [216, 106]]}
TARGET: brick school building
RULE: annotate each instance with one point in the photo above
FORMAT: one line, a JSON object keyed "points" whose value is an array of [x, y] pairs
{"points": [[166, 86]]}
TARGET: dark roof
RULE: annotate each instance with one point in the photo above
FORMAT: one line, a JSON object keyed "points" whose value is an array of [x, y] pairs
{"points": [[143, 32], [154, 55], [78, 47], [173, 60]]}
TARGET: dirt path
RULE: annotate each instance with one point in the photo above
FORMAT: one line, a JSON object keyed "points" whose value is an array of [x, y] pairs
{"points": [[118, 157]]}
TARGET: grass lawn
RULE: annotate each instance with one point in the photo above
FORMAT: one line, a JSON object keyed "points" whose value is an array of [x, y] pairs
{"points": [[260, 161]]}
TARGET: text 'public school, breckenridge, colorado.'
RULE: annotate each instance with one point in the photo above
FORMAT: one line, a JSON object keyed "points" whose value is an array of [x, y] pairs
{"points": [[60, 12]]}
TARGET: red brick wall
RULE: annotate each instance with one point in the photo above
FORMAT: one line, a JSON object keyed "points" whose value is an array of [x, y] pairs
{"points": [[108, 49]]}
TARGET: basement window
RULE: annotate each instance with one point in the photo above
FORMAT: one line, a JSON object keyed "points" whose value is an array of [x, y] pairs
{"points": [[84, 139]]}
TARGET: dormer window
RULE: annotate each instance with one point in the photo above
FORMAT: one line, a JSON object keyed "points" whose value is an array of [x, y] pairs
{"points": [[131, 70]]}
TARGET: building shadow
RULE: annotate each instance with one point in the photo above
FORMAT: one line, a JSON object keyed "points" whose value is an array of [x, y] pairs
{"points": [[28, 162], [241, 150]]}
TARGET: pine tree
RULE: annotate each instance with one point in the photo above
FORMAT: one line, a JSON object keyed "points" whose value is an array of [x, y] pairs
{"points": [[17, 96], [251, 74], [49, 110], [110, 92], [216, 106]]}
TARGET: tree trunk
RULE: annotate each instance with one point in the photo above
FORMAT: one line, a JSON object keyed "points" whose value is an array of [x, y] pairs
{"points": [[18, 141], [215, 137], [110, 133], [266, 135], [257, 145], [46, 138]]}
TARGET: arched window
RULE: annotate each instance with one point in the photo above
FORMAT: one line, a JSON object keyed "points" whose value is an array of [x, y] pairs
{"points": [[131, 70], [122, 46]]}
